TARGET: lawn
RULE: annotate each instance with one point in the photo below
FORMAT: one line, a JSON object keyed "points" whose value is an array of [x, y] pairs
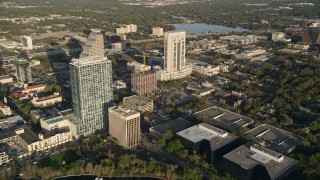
{"points": [[53, 161]]}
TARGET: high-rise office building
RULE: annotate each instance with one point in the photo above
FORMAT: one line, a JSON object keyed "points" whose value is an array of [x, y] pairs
{"points": [[23, 71], [91, 85], [174, 56], [143, 83], [174, 50], [94, 45], [124, 125]]}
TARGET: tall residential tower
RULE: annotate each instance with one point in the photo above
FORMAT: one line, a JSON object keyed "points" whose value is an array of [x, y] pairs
{"points": [[91, 85], [23, 71]]}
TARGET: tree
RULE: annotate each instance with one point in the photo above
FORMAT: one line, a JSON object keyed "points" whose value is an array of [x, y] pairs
{"points": [[26, 108], [193, 174], [151, 165], [89, 168], [174, 146]]}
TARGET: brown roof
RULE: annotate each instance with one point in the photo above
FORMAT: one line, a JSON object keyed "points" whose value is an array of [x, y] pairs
{"points": [[47, 98], [2, 105], [35, 86], [18, 95]]}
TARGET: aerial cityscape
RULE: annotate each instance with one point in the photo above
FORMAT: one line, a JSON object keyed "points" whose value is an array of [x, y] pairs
{"points": [[160, 89]]}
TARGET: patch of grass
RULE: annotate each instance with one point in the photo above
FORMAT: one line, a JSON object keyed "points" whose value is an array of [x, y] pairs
{"points": [[53, 161]]}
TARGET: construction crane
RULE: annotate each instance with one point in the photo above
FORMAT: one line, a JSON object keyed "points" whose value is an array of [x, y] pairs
{"points": [[144, 60]]}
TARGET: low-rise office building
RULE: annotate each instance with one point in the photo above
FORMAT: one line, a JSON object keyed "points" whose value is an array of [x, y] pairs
{"points": [[124, 125], [252, 161], [174, 126], [274, 138], [211, 142], [163, 75], [223, 118], [138, 103], [242, 40], [203, 68]]}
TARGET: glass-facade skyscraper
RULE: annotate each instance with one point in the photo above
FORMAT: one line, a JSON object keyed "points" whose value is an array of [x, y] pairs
{"points": [[91, 85]]}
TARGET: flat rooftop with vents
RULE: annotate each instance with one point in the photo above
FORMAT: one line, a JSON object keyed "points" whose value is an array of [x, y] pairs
{"points": [[274, 138], [251, 161], [175, 126], [223, 118], [217, 137]]}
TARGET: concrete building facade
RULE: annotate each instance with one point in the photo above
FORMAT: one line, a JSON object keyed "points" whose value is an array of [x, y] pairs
{"points": [[143, 83], [124, 125], [91, 86], [157, 31], [175, 66], [94, 45], [27, 41]]}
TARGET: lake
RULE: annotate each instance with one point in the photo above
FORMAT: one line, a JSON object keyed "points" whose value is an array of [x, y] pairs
{"points": [[89, 177], [310, 20], [204, 28]]}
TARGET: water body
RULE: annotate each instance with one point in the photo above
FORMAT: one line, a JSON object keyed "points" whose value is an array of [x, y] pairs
{"points": [[205, 28], [311, 20], [88, 177]]}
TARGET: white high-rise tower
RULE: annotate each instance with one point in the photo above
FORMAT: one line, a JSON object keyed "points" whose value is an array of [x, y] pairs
{"points": [[174, 56]]}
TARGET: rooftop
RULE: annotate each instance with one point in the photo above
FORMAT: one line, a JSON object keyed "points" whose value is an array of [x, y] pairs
{"points": [[203, 131], [22, 61], [175, 126], [59, 131], [274, 138], [35, 86], [73, 118], [48, 97], [54, 119], [28, 136], [88, 60], [223, 118], [13, 119], [123, 111], [249, 156], [138, 100], [5, 77], [2, 105]]}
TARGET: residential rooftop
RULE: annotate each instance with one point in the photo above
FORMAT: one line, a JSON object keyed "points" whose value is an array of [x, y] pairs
{"points": [[250, 155], [274, 138], [88, 60], [204, 131], [223, 118]]}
